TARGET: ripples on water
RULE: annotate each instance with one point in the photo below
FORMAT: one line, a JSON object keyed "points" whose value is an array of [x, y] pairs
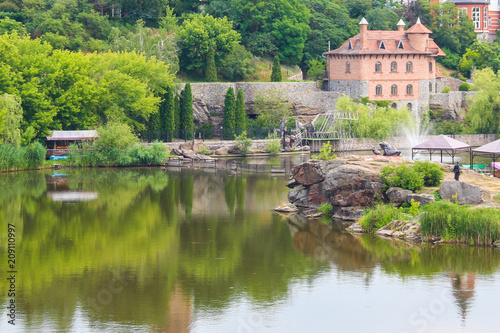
{"points": [[159, 250]]}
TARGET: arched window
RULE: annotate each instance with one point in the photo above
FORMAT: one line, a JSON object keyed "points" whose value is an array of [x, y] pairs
{"points": [[378, 67], [410, 106], [378, 90], [409, 89], [430, 86], [430, 67], [394, 66], [394, 89], [409, 66], [348, 67]]}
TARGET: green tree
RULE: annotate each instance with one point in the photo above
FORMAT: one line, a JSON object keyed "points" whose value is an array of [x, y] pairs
{"points": [[271, 106], [167, 113], [268, 26], [382, 19], [358, 8], [186, 112], [480, 56], [239, 66], [483, 115], [228, 121], [199, 33], [11, 116], [316, 69], [241, 115], [329, 22], [210, 69], [154, 126], [276, 70]]}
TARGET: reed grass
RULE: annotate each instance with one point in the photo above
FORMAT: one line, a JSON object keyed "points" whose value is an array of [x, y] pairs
{"points": [[463, 224], [380, 215], [14, 158]]}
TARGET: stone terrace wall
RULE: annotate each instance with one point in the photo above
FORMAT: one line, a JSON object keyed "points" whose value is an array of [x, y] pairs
{"points": [[306, 93], [454, 100], [474, 140], [448, 82]]}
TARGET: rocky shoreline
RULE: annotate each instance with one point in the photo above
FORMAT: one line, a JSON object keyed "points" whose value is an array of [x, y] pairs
{"points": [[352, 183]]}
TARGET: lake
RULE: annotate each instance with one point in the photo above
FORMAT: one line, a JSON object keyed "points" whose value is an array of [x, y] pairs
{"points": [[180, 250]]}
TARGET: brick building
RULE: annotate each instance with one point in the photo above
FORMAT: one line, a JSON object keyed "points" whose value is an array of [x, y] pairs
{"points": [[484, 15], [399, 66]]}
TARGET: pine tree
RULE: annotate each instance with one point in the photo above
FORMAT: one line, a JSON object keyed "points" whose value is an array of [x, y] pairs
{"points": [[276, 70], [228, 122], [167, 114], [186, 112], [177, 112], [241, 115], [210, 69]]}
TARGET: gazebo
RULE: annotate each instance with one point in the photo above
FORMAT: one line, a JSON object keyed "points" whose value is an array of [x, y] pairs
{"points": [[491, 149], [441, 143]]}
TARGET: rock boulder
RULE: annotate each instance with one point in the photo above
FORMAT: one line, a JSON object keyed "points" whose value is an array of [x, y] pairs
{"points": [[308, 173], [401, 229], [424, 199], [463, 193], [397, 195]]}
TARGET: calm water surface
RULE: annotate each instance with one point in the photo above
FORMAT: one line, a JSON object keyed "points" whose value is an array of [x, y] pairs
{"points": [[157, 250]]}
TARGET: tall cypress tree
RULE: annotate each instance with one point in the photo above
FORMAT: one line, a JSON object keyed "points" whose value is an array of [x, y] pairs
{"points": [[241, 115], [210, 69], [186, 112], [177, 112], [154, 125], [228, 122], [167, 114], [276, 70]]}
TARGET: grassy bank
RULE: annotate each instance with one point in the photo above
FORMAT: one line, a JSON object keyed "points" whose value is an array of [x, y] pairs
{"points": [[14, 158], [462, 224]]}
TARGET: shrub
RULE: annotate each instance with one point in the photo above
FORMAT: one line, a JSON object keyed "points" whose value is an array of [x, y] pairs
{"points": [[325, 208], [402, 176], [446, 90], [273, 144], [243, 143], [379, 216], [431, 172], [325, 153], [464, 87]]}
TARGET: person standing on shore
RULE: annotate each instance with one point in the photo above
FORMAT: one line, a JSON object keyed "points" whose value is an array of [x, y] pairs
{"points": [[456, 170]]}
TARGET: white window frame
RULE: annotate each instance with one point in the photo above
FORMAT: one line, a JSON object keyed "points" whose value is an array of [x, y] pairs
{"points": [[485, 17], [476, 17], [394, 90]]}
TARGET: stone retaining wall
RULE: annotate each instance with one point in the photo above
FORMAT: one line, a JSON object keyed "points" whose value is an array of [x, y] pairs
{"points": [[306, 93]]}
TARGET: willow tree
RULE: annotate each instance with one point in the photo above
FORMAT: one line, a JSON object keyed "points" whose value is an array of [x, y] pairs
{"points": [[483, 115], [228, 122]]}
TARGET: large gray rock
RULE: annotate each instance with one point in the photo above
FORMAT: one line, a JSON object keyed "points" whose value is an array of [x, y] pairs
{"points": [[201, 115], [298, 196], [397, 195], [424, 199], [352, 185], [463, 193], [308, 173], [401, 229]]}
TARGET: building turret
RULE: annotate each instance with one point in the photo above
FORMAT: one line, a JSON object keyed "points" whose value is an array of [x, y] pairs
{"points": [[418, 35]]}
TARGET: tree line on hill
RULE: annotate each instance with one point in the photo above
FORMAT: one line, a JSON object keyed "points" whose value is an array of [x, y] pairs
{"points": [[76, 64]]}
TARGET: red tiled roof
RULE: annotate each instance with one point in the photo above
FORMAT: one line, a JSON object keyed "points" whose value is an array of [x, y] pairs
{"points": [[418, 28], [391, 41]]}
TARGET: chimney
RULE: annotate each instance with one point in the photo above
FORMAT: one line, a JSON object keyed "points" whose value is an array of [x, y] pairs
{"points": [[401, 26], [363, 28]]}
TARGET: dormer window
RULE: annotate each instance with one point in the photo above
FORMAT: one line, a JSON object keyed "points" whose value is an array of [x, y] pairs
{"points": [[349, 46], [382, 45], [401, 45]]}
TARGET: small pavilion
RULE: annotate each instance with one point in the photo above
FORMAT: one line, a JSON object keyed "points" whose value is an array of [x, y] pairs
{"points": [[441, 143], [491, 149], [60, 140]]}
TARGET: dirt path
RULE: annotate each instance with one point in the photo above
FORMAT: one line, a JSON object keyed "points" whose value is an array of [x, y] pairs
{"points": [[376, 163]]}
